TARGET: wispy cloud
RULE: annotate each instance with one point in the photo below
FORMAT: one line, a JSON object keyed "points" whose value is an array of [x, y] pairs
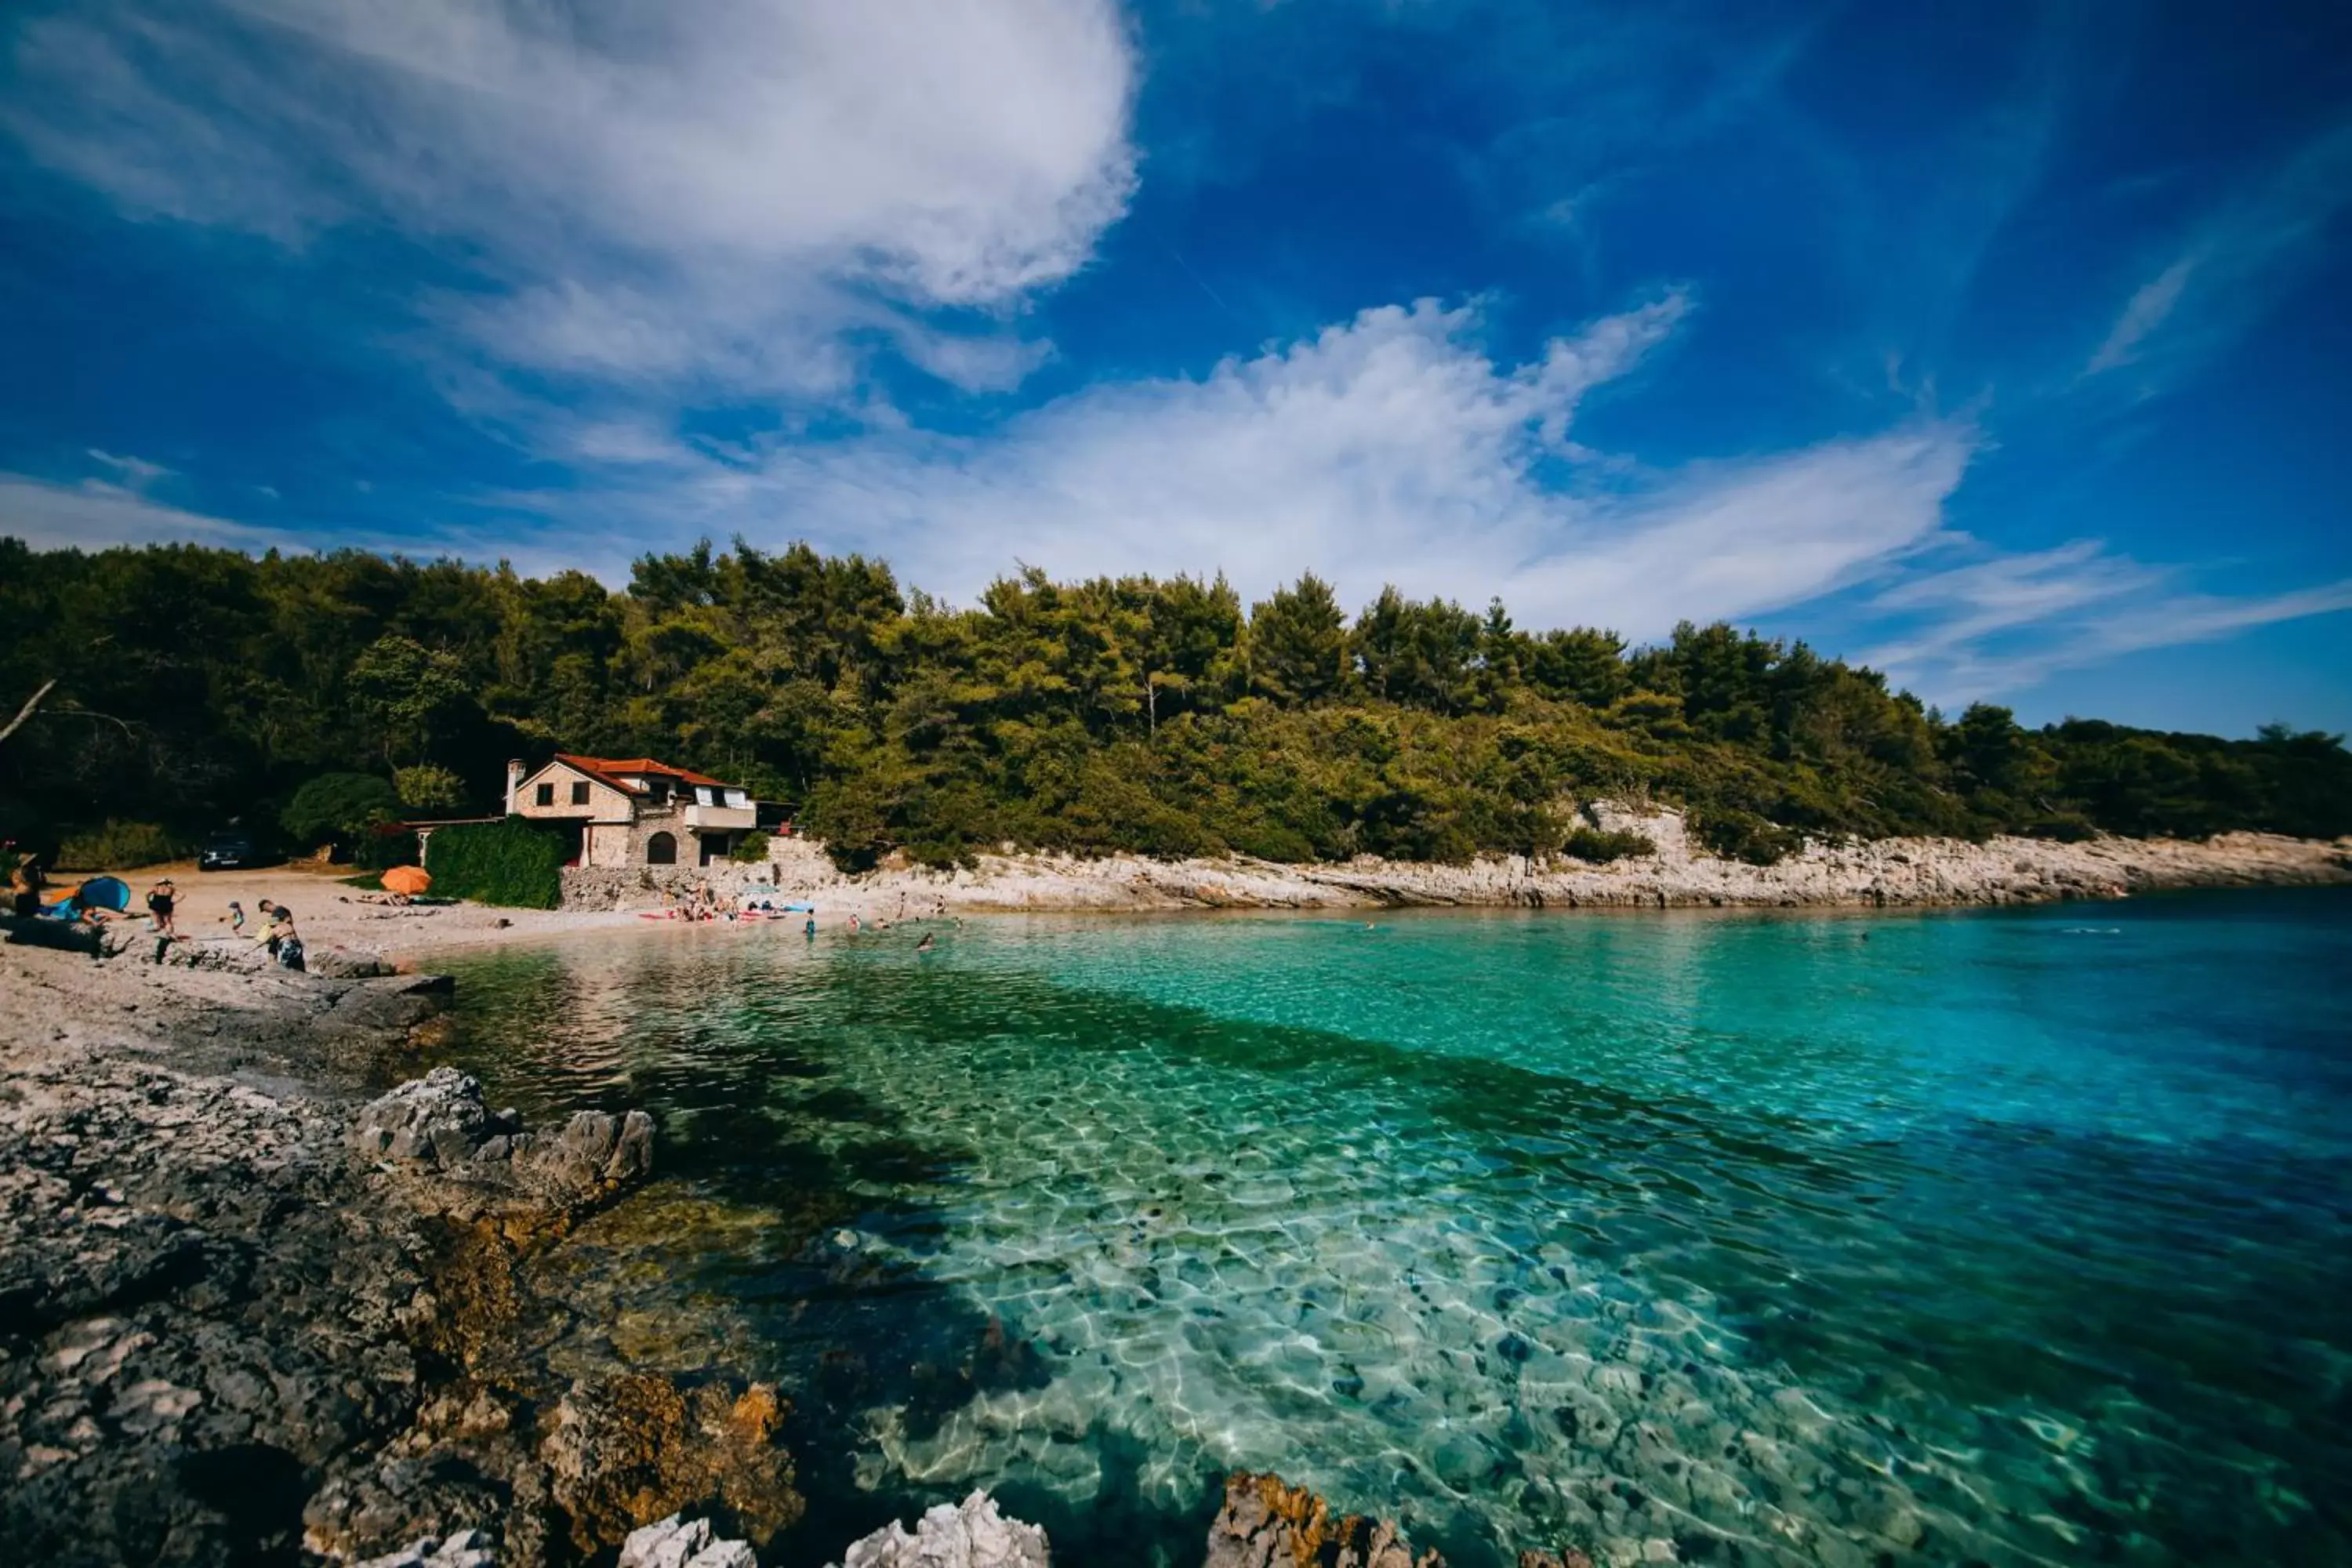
{"points": [[2006, 622], [726, 195], [2241, 260], [51, 513], [1388, 447], [135, 472], [94, 513], [2147, 311]]}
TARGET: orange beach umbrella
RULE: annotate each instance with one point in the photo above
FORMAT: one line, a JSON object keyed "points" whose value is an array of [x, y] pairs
{"points": [[409, 880]]}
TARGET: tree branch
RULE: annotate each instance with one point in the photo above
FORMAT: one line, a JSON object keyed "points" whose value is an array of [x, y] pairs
{"points": [[32, 705]]}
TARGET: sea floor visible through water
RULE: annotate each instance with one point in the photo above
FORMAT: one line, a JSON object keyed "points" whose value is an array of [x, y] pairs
{"points": [[2017, 1236]]}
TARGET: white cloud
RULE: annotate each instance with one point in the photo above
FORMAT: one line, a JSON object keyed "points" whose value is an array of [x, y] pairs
{"points": [[2145, 313], [2004, 623], [705, 194], [94, 514], [2240, 260], [1390, 448], [97, 515], [137, 473]]}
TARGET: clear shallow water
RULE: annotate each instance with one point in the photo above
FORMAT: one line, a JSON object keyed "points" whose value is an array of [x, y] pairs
{"points": [[2011, 1236]]}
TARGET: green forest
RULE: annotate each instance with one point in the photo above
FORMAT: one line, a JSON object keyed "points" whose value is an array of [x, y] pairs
{"points": [[194, 686]]}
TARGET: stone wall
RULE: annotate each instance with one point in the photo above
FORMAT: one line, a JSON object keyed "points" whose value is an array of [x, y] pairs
{"points": [[796, 870]]}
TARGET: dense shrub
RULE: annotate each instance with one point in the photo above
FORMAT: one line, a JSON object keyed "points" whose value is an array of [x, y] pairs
{"points": [[1737, 834], [509, 863], [749, 850], [119, 845], [1601, 846], [339, 808]]}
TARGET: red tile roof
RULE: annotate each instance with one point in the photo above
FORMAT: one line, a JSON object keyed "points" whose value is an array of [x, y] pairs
{"points": [[609, 771]]}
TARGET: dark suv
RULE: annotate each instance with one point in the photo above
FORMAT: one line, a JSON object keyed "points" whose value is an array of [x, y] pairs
{"points": [[229, 849]]}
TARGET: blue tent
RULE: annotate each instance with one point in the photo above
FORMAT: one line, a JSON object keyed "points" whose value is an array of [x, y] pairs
{"points": [[98, 893]]}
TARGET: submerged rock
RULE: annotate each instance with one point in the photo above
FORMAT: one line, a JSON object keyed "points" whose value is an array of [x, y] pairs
{"points": [[437, 1127], [668, 1544], [628, 1451], [970, 1534], [1266, 1523]]}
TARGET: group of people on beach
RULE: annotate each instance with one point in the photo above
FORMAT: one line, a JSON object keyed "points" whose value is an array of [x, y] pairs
{"points": [[275, 930], [702, 903]]}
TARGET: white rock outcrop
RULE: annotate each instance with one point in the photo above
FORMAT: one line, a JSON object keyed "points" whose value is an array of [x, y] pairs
{"points": [[689, 1544], [970, 1534]]}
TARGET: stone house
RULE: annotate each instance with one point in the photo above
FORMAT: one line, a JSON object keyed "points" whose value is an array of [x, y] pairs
{"points": [[634, 811]]}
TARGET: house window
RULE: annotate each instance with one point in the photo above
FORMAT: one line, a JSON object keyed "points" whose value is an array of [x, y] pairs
{"points": [[580, 795], [661, 849], [547, 795]]}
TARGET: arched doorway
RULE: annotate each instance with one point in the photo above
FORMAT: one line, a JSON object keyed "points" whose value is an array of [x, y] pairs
{"points": [[661, 849]]}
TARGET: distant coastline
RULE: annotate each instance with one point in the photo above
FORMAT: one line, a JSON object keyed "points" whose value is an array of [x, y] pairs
{"points": [[1887, 872]]}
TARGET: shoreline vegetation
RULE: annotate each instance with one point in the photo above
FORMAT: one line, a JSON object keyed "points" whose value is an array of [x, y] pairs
{"points": [[327, 698]]}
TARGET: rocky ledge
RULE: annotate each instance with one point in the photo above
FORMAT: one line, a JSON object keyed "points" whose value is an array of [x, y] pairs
{"points": [[242, 1323], [457, 1157]]}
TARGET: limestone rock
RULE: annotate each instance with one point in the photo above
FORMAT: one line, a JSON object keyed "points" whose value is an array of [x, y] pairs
{"points": [[426, 1120], [437, 1127], [970, 1534], [1266, 1523], [668, 1544], [346, 963]]}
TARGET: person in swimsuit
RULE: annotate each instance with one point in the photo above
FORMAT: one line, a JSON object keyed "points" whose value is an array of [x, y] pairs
{"points": [[160, 901]]}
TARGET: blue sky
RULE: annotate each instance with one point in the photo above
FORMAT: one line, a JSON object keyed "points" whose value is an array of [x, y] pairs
{"points": [[2000, 345]]}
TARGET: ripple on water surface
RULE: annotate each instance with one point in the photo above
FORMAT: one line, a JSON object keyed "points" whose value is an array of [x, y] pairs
{"points": [[1768, 1239]]}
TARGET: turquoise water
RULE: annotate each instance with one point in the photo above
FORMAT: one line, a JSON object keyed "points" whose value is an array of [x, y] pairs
{"points": [[2005, 1237]]}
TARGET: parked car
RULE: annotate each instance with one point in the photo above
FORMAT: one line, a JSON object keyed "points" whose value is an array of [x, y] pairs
{"points": [[227, 849]]}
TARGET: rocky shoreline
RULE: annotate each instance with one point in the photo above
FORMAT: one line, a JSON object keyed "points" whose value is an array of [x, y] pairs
{"points": [[246, 1318], [1679, 874], [251, 1315]]}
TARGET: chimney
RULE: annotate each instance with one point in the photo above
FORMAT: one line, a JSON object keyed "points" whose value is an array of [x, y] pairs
{"points": [[514, 785]]}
